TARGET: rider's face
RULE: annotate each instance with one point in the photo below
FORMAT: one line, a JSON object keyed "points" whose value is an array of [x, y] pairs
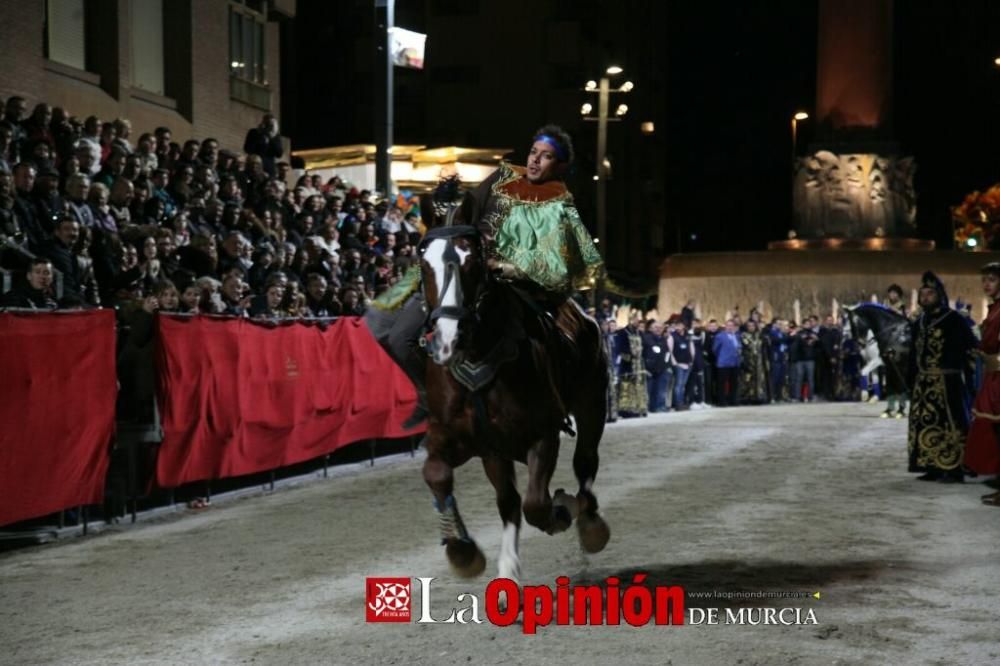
{"points": [[542, 162], [991, 286]]}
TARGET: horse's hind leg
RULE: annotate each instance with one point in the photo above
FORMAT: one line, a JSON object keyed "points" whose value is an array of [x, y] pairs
{"points": [[466, 558], [590, 418], [501, 475], [538, 507]]}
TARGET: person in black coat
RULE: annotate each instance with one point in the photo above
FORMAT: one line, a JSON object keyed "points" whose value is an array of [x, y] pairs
{"points": [[36, 292], [654, 357], [60, 252], [802, 354], [265, 141]]}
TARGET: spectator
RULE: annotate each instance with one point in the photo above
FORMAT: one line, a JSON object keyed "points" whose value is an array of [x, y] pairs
{"points": [[122, 193], [49, 205], [829, 348], [6, 137], [59, 251], [36, 292], [158, 189], [687, 314], [208, 154], [24, 208], [352, 302], [319, 299], [726, 347], [235, 299], [113, 167], [655, 358], [161, 146], [264, 141], [77, 190], [681, 359], [123, 130], [36, 128], [14, 112], [108, 136], [696, 382], [803, 356], [88, 161], [64, 135], [146, 152], [268, 305], [778, 346]]}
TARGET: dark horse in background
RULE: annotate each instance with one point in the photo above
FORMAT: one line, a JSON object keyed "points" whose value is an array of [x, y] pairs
{"points": [[502, 380], [882, 333]]}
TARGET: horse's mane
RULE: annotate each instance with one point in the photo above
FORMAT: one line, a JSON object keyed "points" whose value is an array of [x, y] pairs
{"points": [[877, 306]]}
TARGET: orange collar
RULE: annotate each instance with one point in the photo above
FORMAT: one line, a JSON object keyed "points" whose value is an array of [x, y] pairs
{"points": [[516, 185]]}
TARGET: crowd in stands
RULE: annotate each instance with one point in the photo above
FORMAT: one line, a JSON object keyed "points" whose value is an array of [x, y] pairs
{"points": [[147, 223]]}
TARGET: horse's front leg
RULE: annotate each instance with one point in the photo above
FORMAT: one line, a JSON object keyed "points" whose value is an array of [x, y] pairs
{"points": [[502, 476], [464, 555], [538, 508]]}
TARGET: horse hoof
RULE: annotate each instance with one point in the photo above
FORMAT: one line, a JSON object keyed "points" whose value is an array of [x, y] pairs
{"points": [[465, 558], [594, 532], [561, 519], [562, 499]]}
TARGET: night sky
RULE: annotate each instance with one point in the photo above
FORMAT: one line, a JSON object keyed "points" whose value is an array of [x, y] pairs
{"points": [[735, 72]]}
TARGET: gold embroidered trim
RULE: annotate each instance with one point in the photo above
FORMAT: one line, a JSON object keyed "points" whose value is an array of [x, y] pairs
{"points": [[983, 415]]}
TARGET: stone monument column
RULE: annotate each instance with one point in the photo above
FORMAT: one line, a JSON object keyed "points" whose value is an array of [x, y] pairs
{"points": [[853, 189]]}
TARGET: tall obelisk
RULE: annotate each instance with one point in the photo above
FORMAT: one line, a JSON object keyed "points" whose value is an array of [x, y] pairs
{"points": [[853, 188]]}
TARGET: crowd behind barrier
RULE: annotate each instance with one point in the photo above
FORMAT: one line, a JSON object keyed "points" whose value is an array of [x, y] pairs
{"points": [[94, 215], [236, 397]]}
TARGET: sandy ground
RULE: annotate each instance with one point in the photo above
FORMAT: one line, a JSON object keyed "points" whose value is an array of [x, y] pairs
{"points": [[802, 498]]}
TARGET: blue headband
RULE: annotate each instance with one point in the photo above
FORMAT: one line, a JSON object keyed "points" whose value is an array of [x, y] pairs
{"points": [[560, 151]]}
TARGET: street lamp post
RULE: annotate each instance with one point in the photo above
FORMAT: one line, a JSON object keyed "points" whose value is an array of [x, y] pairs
{"points": [[604, 92], [799, 115]]}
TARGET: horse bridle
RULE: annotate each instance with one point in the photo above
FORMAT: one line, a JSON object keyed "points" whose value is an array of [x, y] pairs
{"points": [[452, 262]]}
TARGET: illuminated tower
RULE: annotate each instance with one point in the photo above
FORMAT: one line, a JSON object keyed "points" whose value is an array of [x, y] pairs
{"points": [[853, 188]]}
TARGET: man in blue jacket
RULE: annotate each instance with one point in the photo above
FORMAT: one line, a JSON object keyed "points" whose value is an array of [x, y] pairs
{"points": [[727, 363]]}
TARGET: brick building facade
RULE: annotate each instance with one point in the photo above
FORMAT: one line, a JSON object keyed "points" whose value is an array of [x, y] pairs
{"points": [[203, 68]]}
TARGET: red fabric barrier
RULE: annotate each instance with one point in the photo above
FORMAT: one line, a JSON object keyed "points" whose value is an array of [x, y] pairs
{"points": [[57, 410], [238, 397]]}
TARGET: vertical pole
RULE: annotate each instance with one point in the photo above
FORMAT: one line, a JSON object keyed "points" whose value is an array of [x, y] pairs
{"points": [[602, 154], [384, 17], [794, 140]]}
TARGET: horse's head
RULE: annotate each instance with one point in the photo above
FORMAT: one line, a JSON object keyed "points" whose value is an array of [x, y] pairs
{"points": [[454, 276]]}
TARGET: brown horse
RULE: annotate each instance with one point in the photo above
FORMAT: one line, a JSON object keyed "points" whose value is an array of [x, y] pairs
{"points": [[502, 379]]}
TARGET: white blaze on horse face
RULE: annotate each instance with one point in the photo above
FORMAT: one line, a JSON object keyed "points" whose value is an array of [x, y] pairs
{"points": [[447, 328], [509, 564]]}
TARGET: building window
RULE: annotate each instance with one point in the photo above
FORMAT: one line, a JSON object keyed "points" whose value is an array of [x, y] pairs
{"points": [[65, 33], [248, 53], [147, 45]]}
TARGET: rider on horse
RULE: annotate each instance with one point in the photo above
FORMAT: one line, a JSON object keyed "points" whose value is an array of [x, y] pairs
{"points": [[533, 237]]}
